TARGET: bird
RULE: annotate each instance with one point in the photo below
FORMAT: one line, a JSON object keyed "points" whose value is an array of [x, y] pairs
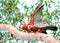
{"points": [[35, 25]]}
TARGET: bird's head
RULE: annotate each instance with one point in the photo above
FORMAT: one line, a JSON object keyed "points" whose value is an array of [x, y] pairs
{"points": [[24, 26]]}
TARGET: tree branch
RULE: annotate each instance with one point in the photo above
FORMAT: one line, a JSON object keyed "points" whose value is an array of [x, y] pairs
{"points": [[28, 36]]}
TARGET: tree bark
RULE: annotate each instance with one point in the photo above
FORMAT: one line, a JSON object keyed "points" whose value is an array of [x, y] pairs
{"points": [[28, 36]]}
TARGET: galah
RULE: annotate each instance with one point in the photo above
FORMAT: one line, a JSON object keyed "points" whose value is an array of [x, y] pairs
{"points": [[35, 25]]}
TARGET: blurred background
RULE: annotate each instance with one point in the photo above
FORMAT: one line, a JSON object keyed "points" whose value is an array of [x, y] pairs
{"points": [[17, 12]]}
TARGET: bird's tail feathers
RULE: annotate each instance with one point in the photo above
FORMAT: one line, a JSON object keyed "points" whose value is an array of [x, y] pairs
{"points": [[51, 28]]}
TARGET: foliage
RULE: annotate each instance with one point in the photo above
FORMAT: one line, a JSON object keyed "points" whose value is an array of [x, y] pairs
{"points": [[11, 14]]}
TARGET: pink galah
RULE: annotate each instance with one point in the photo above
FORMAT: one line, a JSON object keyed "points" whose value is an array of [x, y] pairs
{"points": [[35, 25]]}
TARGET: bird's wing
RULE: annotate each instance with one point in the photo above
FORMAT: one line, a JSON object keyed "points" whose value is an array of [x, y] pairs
{"points": [[35, 19], [37, 13]]}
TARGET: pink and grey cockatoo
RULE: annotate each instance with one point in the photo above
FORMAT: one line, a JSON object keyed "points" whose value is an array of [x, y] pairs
{"points": [[35, 25]]}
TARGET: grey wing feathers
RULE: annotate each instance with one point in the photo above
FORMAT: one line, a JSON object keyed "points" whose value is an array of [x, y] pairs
{"points": [[41, 24], [37, 13]]}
